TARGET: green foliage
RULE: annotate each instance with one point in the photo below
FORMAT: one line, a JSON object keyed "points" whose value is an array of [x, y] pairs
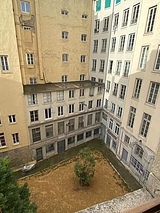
{"points": [[13, 199], [84, 167]]}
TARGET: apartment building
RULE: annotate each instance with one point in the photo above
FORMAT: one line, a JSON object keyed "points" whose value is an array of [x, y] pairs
{"points": [[14, 137], [63, 108], [130, 126]]}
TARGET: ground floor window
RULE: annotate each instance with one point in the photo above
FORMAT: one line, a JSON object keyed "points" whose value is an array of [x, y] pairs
{"points": [[80, 137], [71, 140], [96, 131], [50, 147], [114, 144], [139, 167], [88, 134]]}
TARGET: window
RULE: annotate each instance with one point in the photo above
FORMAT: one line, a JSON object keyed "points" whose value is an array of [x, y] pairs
{"points": [[116, 18], [145, 124], [94, 64], [113, 106], [113, 44], [30, 58], [95, 46], [126, 139], [71, 108], [98, 103], [82, 77], [49, 131], [137, 88], [139, 151], [93, 79], [64, 12], [60, 95], [97, 117], [106, 24], [48, 113], [91, 91], [117, 127], [64, 78], [153, 92], [107, 3], [36, 134], [71, 125], [89, 119], [102, 63], [104, 116], [83, 37], [96, 131], [33, 80], [15, 138], [81, 106], [80, 122], [110, 68], [114, 145], [81, 92], [83, 58], [119, 64], [64, 57], [60, 128], [90, 104], [47, 97], [106, 103], [25, 7], [60, 110], [34, 115], [121, 43], [123, 91], [151, 18], [135, 14], [157, 66], [119, 111], [110, 123], [131, 39], [126, 68], [125, 17], [97, 23], [132, 114], [64, 35], [88, 134], [98, 5], [50, 147], [143, 58], [4, 63], [80, 137], [32, 99], [108, 86], [104, 45], [118, 1], [139, 167], [2, 140], [115, 89], [12, 118], [100, 90], [84, 16], [71, 140], [100, 80], [71, 93]]}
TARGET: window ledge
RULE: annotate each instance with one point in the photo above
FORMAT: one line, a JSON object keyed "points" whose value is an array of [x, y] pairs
{"points": [[30, 66]]}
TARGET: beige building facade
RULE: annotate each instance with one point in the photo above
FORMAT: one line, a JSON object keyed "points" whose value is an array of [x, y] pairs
{"points": [[14, 137]]}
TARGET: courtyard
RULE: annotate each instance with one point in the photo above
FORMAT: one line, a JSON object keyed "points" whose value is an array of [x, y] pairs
{"points": [[58, 190], [55, 188]]}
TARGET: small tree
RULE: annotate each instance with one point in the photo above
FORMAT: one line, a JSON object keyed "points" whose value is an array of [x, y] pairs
{"points": [[84, 167], [13, 199]]}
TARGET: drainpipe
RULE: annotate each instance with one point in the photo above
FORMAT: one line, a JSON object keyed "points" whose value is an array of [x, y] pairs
{"points": [[19, 40]]}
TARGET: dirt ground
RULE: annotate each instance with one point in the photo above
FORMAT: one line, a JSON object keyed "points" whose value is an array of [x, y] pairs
{"points": [[58, 190]]}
